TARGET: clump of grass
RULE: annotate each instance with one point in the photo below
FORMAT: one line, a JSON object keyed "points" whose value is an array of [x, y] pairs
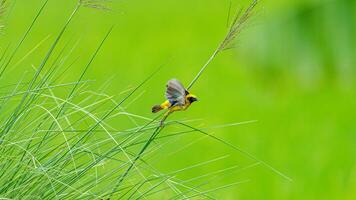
{"points": [[36, 164]]}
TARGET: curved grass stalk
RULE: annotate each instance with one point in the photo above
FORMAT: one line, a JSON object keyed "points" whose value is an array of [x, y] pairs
{"points": [[236, 27], [23, 38], [241, 151], [23, 101], [62, 108]]}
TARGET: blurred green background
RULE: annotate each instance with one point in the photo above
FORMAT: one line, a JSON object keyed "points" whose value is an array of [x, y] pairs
{"points": [[293, 70]]}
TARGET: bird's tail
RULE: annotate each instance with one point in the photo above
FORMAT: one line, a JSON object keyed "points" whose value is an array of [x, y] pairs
{"points": [[156, 108]]}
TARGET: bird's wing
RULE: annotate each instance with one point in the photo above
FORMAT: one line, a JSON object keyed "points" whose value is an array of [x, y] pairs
{"points": [[175, 92]]}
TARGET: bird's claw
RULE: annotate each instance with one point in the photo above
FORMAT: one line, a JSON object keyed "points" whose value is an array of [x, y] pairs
{"points": [[161, 123]]}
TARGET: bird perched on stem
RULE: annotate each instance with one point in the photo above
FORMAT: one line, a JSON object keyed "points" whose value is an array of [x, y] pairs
{"points": [[178, 99]]}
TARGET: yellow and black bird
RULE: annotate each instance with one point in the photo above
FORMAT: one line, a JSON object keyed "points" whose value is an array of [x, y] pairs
{"points": [[178, 98]]}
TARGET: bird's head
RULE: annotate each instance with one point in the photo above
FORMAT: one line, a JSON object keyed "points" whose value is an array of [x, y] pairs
{"points": [[191, 98]]}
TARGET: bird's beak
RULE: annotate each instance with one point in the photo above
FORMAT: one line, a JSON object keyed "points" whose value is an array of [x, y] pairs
{"points": [[195, 99]]}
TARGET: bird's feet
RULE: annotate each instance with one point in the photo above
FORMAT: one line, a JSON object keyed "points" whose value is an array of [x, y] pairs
{"points": [[161, 123]]}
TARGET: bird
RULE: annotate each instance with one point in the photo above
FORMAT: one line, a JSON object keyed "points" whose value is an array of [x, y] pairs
{"points": [[178, 99]]}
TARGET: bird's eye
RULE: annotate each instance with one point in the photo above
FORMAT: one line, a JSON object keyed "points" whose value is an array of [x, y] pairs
{"points": [[191, 99]]}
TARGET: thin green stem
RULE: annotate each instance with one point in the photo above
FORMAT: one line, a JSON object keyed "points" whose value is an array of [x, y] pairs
{"points": [[235, 28]]}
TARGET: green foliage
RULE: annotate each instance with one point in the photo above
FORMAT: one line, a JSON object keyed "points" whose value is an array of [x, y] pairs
{"points": [[69, 129]]}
